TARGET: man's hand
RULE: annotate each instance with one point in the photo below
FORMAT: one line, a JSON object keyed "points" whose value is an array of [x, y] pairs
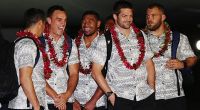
{"points": [[61, 101], [174, 64], [112, 99], [90, 105], [76, 105]]}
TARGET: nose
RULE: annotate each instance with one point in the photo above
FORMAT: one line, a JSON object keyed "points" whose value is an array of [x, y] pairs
{"points": [[86, 23], [130, 18], [148, 18], [63, 22]]}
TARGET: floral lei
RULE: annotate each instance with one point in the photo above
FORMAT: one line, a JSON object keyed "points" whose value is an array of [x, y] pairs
{"points": [[166, 42], [53, 54], [47, 70], [78, 42], [140, 39]]}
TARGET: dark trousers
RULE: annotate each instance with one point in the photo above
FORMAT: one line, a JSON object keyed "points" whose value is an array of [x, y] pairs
{"points": [[52, 107], [171, 104], [4, 106], [41, 108], [126, 104], [100, 108], [96, 108]]}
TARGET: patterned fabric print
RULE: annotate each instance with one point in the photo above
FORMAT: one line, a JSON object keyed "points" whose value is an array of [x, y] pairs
{"points": [[86, 86], [59, 76], [25, 53], [124, 82], [166, 86]]}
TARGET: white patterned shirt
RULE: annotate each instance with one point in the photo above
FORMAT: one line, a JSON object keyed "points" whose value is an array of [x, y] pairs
{"points": [[86, 86], [124, 82], [24, 56], [166, 83], [59, 76]]}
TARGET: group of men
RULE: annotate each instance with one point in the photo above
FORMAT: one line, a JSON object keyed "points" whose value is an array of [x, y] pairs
{"points": [[68, 75]]}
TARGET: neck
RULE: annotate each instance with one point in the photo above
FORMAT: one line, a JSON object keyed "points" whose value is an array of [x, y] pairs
{"points": [[158, 32], [88, 40], [56, 37], [124, 31], [33, 30]]}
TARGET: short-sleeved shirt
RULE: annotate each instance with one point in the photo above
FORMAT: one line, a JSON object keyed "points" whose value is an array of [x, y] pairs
{"points": [[24, 56], [59, 76], [86, 86], [126, 83], [166, 82]]}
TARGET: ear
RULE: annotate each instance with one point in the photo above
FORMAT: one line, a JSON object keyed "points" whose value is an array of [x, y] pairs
{"points": [[163, 17], [40, 24], [115, 17], [98, 23], [49, 20]]}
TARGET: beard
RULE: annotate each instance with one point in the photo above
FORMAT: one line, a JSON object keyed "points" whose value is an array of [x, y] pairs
{"points": [[152, 27], [86, 34], [125, 25]]}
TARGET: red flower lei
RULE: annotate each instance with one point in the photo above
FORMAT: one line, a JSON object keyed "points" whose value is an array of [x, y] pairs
{"points": [[47, 70], [53, 54], [140, 39], [78, 42], [166, 42]]}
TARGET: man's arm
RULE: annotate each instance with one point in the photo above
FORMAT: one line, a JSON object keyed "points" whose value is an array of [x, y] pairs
{"points": [[25, 75], [57, 100], [50, 92], [189, 62], [72, 81], [151, 73], [98, 77], [90, 105], [178, 64]]}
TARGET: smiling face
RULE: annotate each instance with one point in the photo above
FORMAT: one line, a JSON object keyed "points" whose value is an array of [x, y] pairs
{"points": [[124, 18], [57, 23], [90, 25], [154, 18]]}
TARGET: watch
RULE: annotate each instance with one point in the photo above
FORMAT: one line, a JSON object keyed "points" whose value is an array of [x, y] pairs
{"points": [[108, 94]]}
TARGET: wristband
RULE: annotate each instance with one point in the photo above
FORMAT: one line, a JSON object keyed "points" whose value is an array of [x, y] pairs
{"points": [[108, 94]]}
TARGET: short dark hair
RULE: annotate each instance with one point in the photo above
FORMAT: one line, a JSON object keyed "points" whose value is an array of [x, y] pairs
{"points": [[157, 5], [121, 4], [91, 12], [32, 16], [54, 8]]}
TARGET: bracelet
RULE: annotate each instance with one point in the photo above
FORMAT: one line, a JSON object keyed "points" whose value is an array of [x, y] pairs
{"points": [[108, 94]]}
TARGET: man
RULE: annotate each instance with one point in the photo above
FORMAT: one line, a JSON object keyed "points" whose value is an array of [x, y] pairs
{"points": [[31, 93], [160, 37], [58, 46], [129, 83], [86, 94]]}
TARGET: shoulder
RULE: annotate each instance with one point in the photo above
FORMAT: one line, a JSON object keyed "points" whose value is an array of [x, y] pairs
{"points": [[182, 36], [101, 39], [25, 43]]}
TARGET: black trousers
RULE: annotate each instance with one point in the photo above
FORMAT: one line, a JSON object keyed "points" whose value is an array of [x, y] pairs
{"points": [[69, 106], [171, 104], [41, 108], [4, 106], [96, 108], [126, 104]]}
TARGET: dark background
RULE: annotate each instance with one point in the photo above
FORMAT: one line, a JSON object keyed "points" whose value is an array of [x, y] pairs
{"points": [[182, 15]]}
